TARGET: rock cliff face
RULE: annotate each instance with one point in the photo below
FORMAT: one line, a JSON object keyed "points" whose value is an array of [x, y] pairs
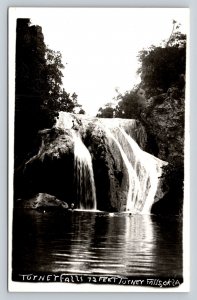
{"points": [[119, 170], [49, 169], [163, 119]]}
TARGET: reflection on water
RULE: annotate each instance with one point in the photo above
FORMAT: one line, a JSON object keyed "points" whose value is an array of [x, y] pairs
{"points": [[81, 242]]}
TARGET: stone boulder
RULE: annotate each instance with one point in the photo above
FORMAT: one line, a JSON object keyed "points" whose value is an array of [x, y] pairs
{"points": [[42, 202]]}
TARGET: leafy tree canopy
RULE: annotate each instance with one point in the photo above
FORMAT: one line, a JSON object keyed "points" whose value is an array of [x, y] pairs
{"points": [[38, 87], [107, 111], [161, 67], [129, 105], [164, 66]]}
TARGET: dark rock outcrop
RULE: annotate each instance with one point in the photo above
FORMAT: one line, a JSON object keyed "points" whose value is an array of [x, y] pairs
{"points": [[42, 202], [163, 119], [49, 170]]}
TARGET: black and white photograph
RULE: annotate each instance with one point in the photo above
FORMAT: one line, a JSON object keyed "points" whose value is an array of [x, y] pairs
{"points": [[98, 149]]}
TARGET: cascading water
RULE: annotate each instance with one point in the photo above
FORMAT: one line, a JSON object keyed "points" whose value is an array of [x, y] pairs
{"points": [[147, 170], [84, 186], [132, 177], [142, 169], [84, 177]]}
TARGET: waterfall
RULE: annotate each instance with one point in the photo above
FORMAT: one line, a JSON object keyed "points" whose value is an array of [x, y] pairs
{"points": [[64, 120], [83, 176], [148, 169], [84, 185], [140, 169], [143, 170], [133, 185]]}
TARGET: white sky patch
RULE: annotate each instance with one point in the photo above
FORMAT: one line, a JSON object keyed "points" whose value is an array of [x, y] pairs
{"points": [[99, 46]]}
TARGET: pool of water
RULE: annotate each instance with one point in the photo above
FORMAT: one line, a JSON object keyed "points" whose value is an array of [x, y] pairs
{"points": [[85, 242]]}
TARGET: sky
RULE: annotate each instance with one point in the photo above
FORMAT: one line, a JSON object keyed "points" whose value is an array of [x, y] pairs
{"points": [[99, 46]]}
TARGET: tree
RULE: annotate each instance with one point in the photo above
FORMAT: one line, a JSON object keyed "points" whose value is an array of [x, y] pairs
{"points": [[31, 85], [129, 106], [67, 102], [106, 112], [38, 87], [82, 111], [164, 66], [161, 68]]}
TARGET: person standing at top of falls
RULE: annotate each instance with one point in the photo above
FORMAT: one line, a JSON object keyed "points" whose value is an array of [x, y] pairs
{"points": [[73, 126], [76, 125]]}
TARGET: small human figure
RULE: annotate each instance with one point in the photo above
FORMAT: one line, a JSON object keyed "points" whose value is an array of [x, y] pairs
{"points": [[75, 126], [72, 206]]}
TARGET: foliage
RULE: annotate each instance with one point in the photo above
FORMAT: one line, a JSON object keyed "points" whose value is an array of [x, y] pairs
{"points": [[161, 68], [81, 111], [67, 102], [106, 112], [38, 87], [164, 66], [129, 106]]}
